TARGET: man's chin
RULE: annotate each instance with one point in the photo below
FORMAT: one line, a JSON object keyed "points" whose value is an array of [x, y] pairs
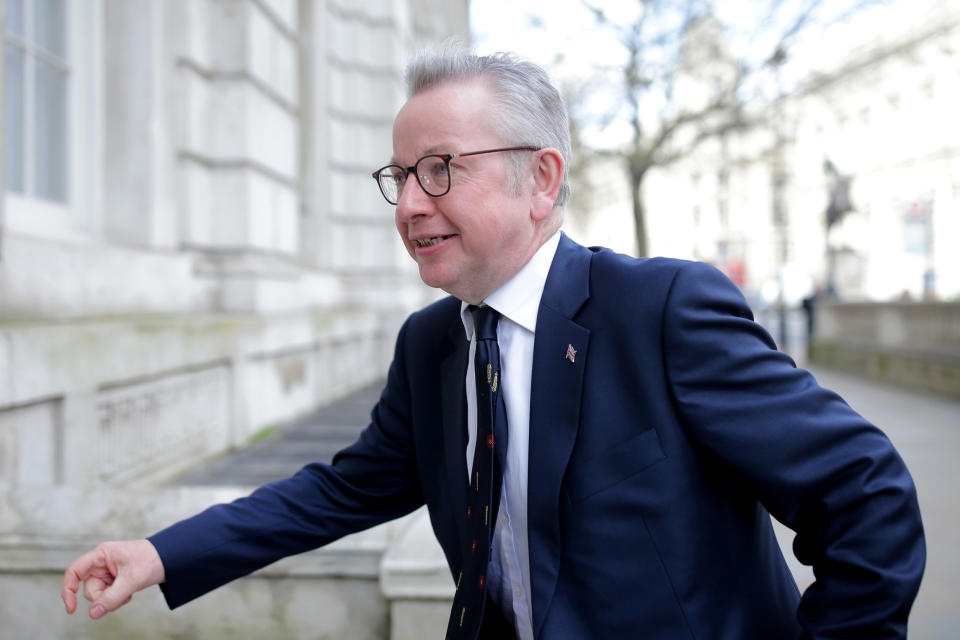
{"points": [[431, 278], [443, 281]]}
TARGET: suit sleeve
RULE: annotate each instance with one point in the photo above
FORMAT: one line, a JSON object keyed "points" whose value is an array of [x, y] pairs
{"points": [[815, 464], [370, 482]]}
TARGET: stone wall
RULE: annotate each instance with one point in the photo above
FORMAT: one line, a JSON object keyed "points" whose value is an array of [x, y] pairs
{"points": [[331, 593], [911, 344], [388, 582], [136, 401]]}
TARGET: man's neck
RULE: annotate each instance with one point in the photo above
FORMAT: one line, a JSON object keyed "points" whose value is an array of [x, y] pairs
{"points": [[551, 236], [519, 298]]}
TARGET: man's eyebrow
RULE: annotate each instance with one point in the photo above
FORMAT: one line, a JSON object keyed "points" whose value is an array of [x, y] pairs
{"points": [[436, 150]]}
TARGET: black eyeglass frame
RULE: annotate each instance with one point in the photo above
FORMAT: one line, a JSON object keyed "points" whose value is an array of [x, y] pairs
{"points": [[446, 163]]}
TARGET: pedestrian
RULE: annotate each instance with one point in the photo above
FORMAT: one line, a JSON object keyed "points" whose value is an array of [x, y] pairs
{"points": [[600, 440]]}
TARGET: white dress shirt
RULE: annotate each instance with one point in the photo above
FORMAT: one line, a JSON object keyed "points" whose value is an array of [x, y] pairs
{"points": [[518, 301]]}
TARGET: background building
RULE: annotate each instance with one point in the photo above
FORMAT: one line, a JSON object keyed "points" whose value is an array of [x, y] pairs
{"points": [[191, 247], [875, 123]]}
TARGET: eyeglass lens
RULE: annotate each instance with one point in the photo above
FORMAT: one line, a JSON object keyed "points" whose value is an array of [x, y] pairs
{"points": [[432, 173]]}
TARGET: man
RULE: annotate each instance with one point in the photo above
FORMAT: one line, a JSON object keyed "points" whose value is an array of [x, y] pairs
{"points": [[651, 426]]}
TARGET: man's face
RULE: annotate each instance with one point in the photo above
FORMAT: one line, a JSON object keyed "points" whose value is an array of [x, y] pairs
{"points": [[476, 237]]}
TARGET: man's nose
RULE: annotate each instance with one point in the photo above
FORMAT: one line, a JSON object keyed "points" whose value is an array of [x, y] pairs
{"points": [[413, 200]]}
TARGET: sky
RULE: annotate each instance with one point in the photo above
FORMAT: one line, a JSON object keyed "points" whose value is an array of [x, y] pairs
{"points": [[567, 26], [563, 37]]}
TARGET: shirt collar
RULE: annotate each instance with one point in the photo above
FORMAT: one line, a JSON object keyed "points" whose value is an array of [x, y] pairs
{"points": [[519, 298]]}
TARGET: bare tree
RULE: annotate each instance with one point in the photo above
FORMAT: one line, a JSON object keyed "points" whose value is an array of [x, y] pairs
{"points": [[679, 56]]}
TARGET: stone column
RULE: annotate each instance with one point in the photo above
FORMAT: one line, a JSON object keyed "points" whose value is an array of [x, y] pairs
{"points": [[238, 149], [315, 138], [137, 146], [416, 582], [3, 167]]}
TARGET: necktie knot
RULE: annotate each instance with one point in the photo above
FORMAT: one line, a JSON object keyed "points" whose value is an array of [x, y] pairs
{"points": [[485, 321]]}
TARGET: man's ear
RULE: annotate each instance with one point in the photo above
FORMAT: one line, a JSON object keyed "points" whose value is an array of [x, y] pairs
{"points": [[547, 178]]}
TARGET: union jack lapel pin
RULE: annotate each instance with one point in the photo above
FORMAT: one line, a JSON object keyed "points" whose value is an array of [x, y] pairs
{"points": [[571, 354]]}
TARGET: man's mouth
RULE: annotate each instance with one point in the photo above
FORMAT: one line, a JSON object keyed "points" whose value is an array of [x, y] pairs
{"points": [[429, 242]]}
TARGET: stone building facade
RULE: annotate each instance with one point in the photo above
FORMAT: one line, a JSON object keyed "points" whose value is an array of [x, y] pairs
{"points": [[191, 247], [209, 255]]}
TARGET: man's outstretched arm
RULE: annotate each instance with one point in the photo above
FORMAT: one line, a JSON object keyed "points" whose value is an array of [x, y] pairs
{"points": [[111, 574]]}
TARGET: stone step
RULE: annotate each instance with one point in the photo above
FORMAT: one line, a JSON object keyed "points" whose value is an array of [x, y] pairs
{"points": [[316, 437]]}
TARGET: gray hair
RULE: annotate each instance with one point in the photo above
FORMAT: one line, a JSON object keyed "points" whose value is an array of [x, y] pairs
{"points": [[529, 108]]}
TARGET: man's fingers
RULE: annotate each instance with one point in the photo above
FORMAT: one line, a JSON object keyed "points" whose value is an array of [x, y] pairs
{"points": [[75, 573], [113, 597], [69, 591], [93, 588], [98, 610], [69, 600]]}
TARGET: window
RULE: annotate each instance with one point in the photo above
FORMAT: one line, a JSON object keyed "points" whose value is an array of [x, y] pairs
{"points": [[35, 98]]}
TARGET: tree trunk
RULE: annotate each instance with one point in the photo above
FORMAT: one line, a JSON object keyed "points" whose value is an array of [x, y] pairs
{"points": [[639, 214]]}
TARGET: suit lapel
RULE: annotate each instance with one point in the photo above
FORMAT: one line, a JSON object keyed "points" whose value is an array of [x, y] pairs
{"points": [[454, 416], [559, 359]]}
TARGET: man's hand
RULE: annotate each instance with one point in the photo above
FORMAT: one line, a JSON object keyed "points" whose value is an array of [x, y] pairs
{"points": [[111, 574]]}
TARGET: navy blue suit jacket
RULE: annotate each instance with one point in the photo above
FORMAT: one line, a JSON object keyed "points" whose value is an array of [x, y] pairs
{"points": [[655, 459]]}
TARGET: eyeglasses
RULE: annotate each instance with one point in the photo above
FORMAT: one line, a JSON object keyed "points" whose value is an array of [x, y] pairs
{"points": [[432, 172]]}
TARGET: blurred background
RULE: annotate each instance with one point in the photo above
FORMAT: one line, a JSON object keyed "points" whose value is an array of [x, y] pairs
{"points": [[200, 284]]}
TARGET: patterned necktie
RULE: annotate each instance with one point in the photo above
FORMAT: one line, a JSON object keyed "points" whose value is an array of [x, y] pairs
{"points": [[486, 479]]}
